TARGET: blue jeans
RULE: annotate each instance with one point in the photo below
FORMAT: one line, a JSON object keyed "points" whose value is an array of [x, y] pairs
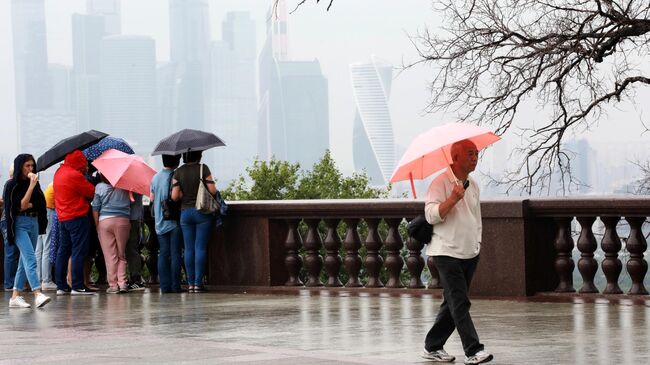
{"points": [[74, 241], [169, 260], [11, 264], [26, 237], [196, 228], [43, 266]]}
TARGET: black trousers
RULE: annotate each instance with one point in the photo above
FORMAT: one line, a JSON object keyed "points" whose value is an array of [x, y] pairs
{"points": [[455, 276]]}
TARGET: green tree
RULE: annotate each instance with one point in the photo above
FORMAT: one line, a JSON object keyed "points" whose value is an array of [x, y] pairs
{"points": [[269, 180]]}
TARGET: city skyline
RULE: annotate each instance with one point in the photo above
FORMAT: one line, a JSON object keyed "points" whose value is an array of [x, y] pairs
{"points": [[312, 36]]}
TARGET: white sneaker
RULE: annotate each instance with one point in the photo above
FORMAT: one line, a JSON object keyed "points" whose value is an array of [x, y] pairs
{"points": [[479, 358], [48, 285], [18, 302], [438, 356], [41, 300]]}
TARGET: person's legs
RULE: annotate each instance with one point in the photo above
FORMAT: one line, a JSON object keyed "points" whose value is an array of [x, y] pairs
{"points": [[164, 261], [26, 238], [46, 266], [109, 247], [176, 245], [62, 256], [122, 229], [189, 237], [441, 329], [455, 290], [11, 259], [133, 259], [38, 254], [205, 222], [80, 232]]}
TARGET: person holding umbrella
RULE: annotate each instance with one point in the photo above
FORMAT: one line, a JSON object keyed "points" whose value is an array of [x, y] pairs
{"points": [[196, 226], [453, 207], [72, 197], [24, 206]]}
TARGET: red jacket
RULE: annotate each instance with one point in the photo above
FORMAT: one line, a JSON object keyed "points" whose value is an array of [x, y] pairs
{"points": [[72, 191]]}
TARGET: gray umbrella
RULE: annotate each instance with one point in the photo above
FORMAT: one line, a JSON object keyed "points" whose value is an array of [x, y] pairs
{"points": [[187, 140]]}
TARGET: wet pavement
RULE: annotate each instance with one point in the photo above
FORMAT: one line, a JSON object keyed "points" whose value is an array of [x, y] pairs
{"points": [[218, 328]]}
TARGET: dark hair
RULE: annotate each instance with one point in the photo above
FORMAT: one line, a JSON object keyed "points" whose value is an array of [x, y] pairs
{"points": [[192, 156], [102, 178], [171, 161], [19, 162]]}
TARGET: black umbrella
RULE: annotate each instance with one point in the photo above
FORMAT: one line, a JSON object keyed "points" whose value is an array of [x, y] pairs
{"points": [[60, 150], [187, 140]]}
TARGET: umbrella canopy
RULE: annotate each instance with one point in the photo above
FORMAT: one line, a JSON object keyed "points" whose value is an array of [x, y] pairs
{"points": [[60, 150], [187, 140], [430, 152], [124, 171], [94, 151]]}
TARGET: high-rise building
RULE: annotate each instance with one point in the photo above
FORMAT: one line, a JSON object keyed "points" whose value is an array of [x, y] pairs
{"points": [[234, 96], [293, 113], [30, 55], [110, 11], [62, 88], [87, 34], [128, 90], [373, 139], [189, 43]]}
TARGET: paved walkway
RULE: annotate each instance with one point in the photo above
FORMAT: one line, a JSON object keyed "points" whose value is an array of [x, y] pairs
{"points": [[211, 328]]}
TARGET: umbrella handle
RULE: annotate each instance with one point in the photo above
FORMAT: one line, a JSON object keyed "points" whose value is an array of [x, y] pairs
{"points": [[131, 196], [412, 185]]}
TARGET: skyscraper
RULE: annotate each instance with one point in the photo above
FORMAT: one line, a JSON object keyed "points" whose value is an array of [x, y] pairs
{"points": [[110, 10], [293, 113], [189, 42], [30, 55], [87, 34], [128, 90], [373, 140], [234, 96]]}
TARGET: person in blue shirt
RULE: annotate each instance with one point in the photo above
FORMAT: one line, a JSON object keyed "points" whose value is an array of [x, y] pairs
{"points": [[170, 237]]}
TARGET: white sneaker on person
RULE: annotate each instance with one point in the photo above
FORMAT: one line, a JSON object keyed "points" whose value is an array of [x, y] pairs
{"points": [[48, 285], [438, 356], [41, 300], [18, 302], [479, 358]]}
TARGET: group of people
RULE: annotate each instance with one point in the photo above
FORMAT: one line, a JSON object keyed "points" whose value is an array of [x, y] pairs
{"points": [[78, 208]]}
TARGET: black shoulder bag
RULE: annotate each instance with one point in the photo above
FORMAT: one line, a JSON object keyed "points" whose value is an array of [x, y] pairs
{"points": [[171, 210]]}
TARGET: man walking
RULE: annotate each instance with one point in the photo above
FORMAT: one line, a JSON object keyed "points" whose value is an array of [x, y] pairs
{"points": [[453, 207], [72, 201]]}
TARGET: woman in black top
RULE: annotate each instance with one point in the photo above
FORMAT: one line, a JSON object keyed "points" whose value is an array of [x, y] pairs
{"points": [[195, 225], [26, 219]]}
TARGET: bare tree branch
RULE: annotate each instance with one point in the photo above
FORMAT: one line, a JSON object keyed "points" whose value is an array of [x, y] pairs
{"points": [[568, 58]]}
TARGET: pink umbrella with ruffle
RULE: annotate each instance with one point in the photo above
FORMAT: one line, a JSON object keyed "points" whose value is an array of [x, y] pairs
{"points": [[124, 171], [430, 151]]}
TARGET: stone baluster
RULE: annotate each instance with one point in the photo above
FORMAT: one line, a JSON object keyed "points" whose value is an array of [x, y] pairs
{"points": [[292, 260], [636, 245], [394, 261], [611, 245], [433, 271], [152, 259], [333, 260], [415, 263], [587, 245], [374, 261], [352, 261], [563, 262], [313, 260]]}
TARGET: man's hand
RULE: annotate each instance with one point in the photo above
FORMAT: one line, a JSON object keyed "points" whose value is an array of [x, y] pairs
{"points": [[458, 192]]}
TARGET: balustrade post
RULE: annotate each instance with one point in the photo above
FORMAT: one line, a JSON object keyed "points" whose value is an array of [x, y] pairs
{"points": [[394, 261], [435, 276], [313, 260], [292, 260], [333, 260], [415, 263], [563, 262], [611, 265], [373, 261], [587, 245], [636, 245], [352, 261], [152, 260]]}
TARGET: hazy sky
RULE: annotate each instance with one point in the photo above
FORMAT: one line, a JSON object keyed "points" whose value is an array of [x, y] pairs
{"points": [[350, 32]]}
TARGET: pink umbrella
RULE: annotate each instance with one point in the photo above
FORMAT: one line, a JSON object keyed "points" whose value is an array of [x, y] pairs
{"points": [[430, 152], [124, 171]]}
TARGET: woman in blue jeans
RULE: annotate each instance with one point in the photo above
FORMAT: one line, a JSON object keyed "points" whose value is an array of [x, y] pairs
{"points": [[196, 226], [26, 219]]}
